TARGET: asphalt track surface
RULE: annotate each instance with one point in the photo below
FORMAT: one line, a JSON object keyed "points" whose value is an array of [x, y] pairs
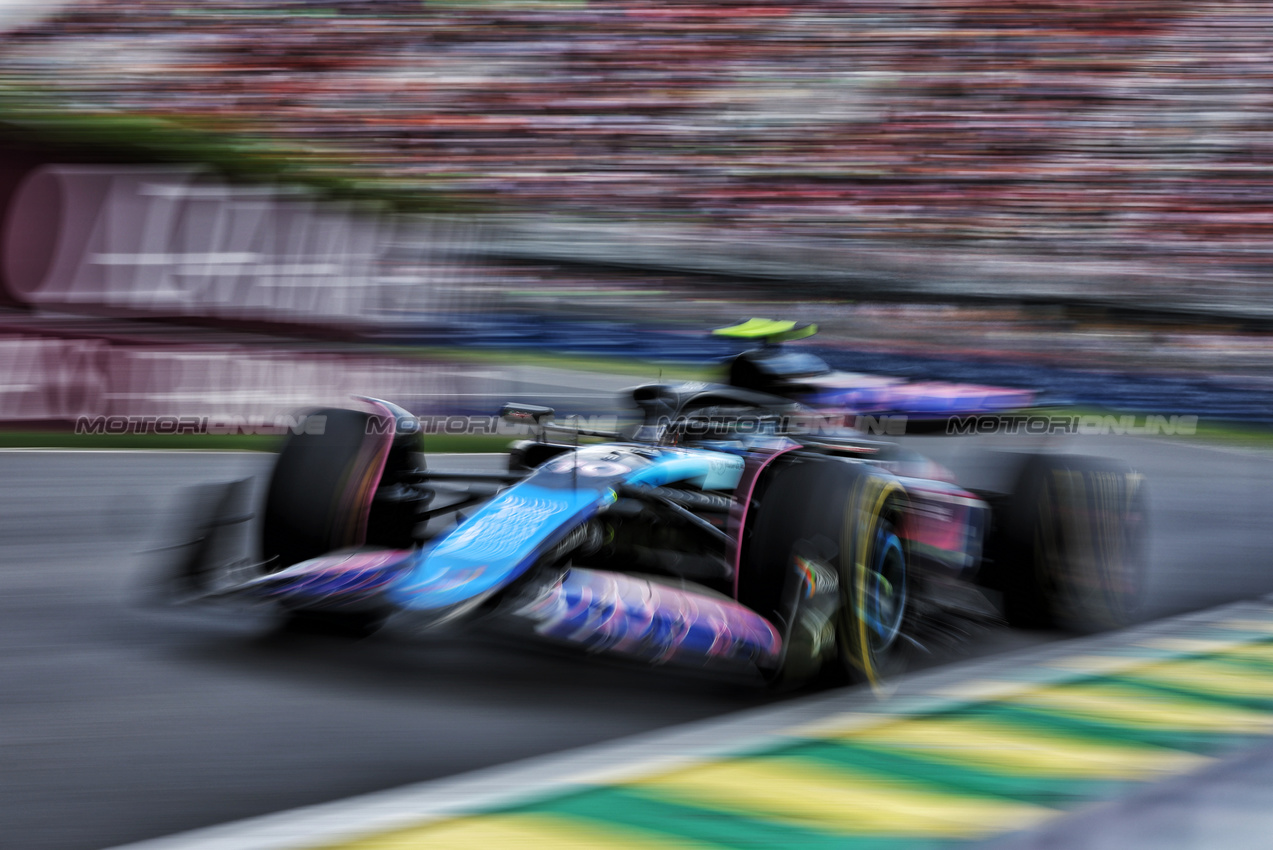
{"points": [[120, 722]]}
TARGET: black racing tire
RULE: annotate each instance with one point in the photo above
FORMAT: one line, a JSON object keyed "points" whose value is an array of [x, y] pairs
{"points": [[839, 520], [317, 502], [1072, 541], [319, 488]]}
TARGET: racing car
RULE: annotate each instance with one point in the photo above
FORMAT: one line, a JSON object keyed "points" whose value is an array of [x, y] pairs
{"points": [[802, 376], [719, 528]]}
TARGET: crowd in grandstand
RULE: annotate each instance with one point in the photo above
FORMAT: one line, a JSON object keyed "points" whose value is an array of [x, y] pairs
{"points": [[1122, 128]]}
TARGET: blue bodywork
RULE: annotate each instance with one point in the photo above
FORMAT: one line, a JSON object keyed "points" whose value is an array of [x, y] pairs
{"points": [[515, 529], [501, 541]]}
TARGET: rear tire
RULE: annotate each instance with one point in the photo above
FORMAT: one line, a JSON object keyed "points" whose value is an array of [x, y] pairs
{"points": [[828, 522], [1072, 539]]}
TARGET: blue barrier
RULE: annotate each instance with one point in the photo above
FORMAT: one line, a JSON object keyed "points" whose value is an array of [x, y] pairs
{"points": [[1207, 397]]}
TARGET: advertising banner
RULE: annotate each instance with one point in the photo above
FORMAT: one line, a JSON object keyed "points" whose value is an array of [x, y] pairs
{"points": [[176, 242], [248, 389]]}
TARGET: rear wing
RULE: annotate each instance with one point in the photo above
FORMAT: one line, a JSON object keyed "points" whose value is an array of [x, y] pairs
{"points": [[768, 331]]}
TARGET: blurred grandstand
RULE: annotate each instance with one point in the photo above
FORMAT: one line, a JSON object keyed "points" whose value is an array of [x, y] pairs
{"points": [[1095, 149]]}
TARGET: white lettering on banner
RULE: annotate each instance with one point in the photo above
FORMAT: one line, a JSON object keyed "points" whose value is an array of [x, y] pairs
{"points": [[62, 380], [174, 241], [48, 379], [20, 362]]}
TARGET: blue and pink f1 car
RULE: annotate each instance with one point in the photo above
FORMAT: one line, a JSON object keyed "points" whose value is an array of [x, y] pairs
{"points": [[715, 530]]}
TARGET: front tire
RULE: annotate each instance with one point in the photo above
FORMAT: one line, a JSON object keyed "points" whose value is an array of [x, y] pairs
{"points": [[825, 525], [320, 489], [320, 500]]}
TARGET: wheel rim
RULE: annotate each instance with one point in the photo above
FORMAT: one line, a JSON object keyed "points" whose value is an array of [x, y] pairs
{"points": [[886, 589]]}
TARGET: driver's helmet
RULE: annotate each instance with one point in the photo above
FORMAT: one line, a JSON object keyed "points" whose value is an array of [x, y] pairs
{"points": [[772, 369]]}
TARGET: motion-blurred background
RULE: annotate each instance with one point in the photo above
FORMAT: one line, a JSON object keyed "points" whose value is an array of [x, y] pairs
{"points": [[232, 208], [219, 212]]}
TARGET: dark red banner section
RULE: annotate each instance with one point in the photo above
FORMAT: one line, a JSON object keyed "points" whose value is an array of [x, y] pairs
{"points": [[49, 380], [33, 244], [176, 241]]}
